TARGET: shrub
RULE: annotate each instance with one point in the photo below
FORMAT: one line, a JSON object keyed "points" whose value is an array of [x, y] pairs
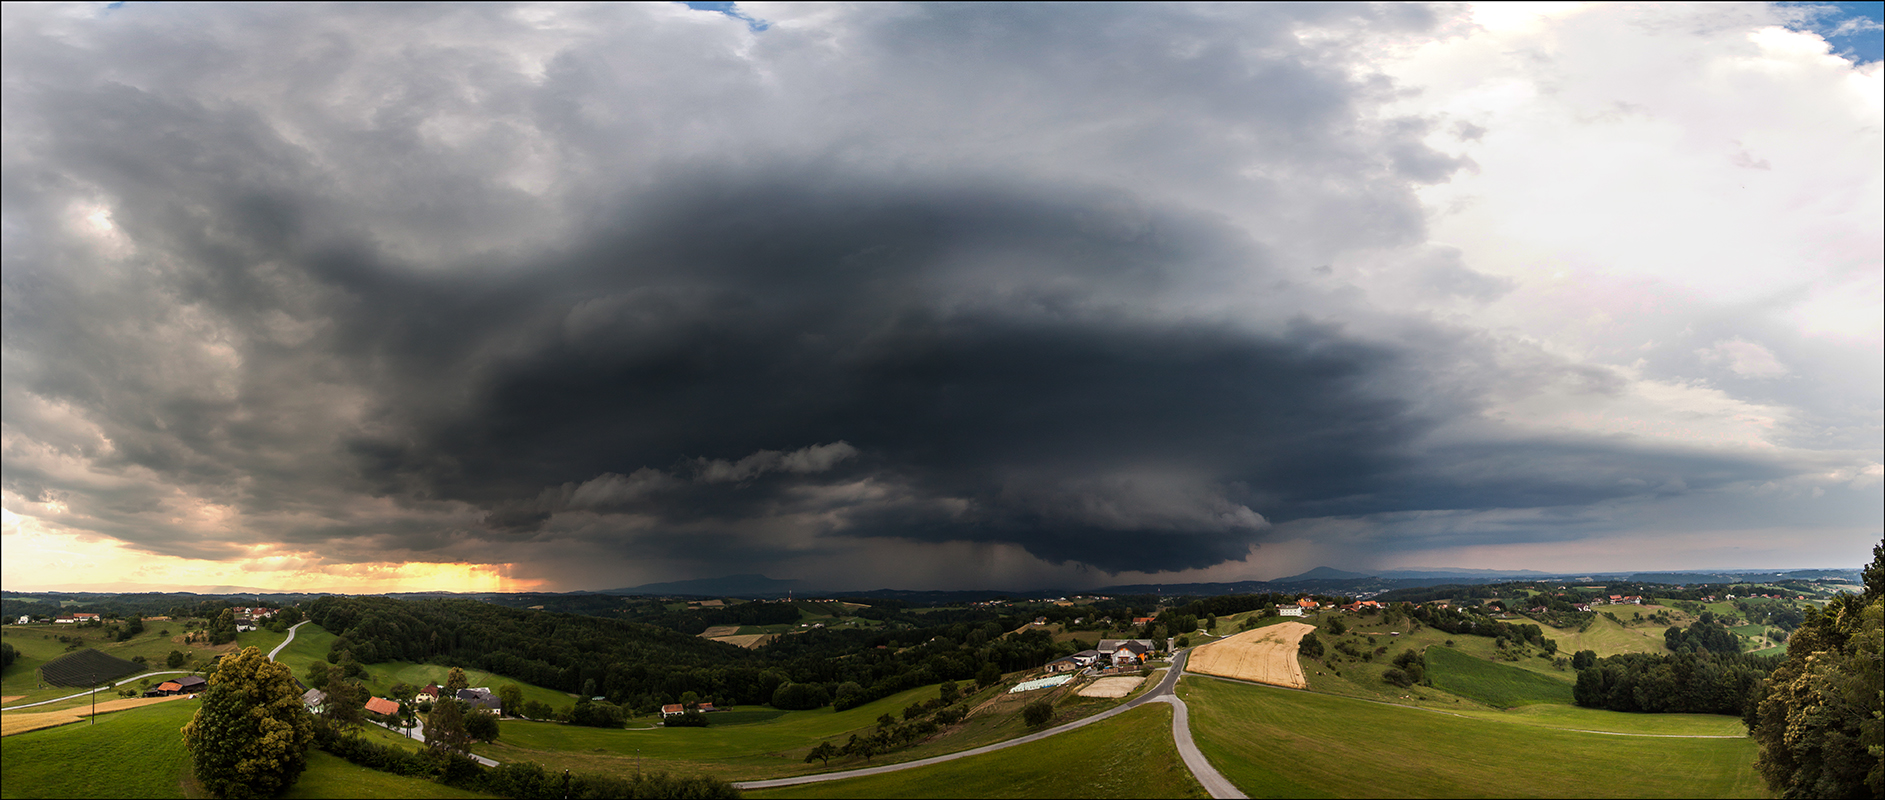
{"points": [[1037, 713], [800, 696], [690, 719]]}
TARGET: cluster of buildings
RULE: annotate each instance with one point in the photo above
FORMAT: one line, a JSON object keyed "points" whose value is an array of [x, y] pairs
{"points": [[1109, 654], [478, 698], [677, 709], [188, 684], [69, 619]]}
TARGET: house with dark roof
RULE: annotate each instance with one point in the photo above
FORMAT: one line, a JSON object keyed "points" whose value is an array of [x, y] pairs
{"points": [[314, 699], [190, 684], [480, 698], [430, 692], [1126, 652]]}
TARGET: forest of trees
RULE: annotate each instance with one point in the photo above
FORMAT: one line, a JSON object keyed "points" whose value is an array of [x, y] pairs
{"points": [[639, 666], [1819, 718], [1706, 634], [1696, 681]]}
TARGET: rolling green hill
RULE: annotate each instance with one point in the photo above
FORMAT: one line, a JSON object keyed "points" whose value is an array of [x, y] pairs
{"points": [[139, 753], [1130, 755], [1281, 743], [1490, 683]]}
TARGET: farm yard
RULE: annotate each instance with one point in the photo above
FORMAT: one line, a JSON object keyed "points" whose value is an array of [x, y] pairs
{"points": [[1264, 655]]}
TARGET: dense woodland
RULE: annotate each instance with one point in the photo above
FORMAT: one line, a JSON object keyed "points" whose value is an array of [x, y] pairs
{"points": [[1696, 681], [640, 666]]}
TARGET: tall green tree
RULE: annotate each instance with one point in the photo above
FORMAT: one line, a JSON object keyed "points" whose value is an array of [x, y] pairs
{"points": [[445, 728], [455, 680], [251, 735], [1821, 724], [345, 708], [512, 696], [222, 629]]}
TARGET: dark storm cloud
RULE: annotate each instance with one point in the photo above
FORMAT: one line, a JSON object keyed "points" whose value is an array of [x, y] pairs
{"points": [[410, 280]]}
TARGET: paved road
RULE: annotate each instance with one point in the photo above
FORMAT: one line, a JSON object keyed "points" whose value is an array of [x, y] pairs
{"points": [[284, 642], [1162, 693], [417, 733], [137, 677], [142, 676]]}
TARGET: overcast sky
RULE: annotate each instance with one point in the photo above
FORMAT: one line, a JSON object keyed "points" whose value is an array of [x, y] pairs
{"points": [[472, 296]]}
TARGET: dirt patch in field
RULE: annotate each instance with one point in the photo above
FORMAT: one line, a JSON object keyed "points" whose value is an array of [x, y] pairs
{"points": [[719, 631], [749, 640], [1111, 687], [1264, 655], [20, 723], [12, 697]]}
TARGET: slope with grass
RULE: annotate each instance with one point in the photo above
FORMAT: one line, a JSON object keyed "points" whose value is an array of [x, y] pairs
{"points": [[133, 753], [139, 753], [1607, 637], [1130, 755], [1490, 683], [38, 645], [1276, 742], [312, 642], [330, 776], [755, 742]]}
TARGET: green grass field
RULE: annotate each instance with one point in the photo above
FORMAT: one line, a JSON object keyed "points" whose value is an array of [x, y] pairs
{"points": [[769, 743], [1276, 742], [330, 776], [1491, 683], [1607, 638], [133, 753], [311, 643], [1130, 755], [37, 645], [139, 753]]}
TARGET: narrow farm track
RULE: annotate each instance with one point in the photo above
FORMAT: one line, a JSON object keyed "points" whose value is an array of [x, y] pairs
{"points": [[142, 676], [1207, 776]]}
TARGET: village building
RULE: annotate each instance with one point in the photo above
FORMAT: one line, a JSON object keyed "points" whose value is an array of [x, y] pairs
{"points": [[26, 619], [705, 708], [1289, 611], [1126, 652], [673, 710], [382, 706], [430, 692], [314, 699], [480, 697]]}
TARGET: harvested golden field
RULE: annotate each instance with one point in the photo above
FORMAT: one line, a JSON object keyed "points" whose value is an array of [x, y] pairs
{"points": [[20, 723], [719, 631], [1264, 655]]}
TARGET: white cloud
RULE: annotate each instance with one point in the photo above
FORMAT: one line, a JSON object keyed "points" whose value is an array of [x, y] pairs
{"points": [[1747, 359]]}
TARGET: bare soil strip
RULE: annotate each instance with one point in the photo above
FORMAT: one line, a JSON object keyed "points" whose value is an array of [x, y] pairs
{"points": [[1265, 655], [718, 631], [12, 697], [1111, 687], [748, 640], [20, 723]]}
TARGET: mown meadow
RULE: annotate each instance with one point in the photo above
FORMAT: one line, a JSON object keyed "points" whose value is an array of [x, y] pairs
{"points": [[1275, 742]]}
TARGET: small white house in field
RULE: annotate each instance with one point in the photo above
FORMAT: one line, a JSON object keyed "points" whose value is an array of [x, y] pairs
{"points": [[1289, 611], [26, 619]]}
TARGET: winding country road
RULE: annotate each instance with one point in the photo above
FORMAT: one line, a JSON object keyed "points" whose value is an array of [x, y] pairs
{"points": [[142, 676], [1207, 776]]}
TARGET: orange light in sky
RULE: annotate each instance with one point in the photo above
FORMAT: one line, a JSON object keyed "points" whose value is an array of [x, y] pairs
{"points": [[35, 558]]}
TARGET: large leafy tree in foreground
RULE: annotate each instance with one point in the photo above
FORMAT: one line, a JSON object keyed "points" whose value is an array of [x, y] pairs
{"points": [[251, 736], [1821, 723]]}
